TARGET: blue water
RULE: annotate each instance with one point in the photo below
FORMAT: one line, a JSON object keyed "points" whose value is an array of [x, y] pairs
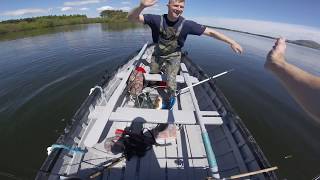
{"points": [[45, 78]]}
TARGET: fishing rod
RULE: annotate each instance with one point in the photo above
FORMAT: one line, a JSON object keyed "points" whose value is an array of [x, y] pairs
{"points": [[112, 163], [196, 84]]}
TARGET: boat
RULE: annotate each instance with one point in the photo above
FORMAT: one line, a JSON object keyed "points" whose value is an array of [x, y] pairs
{"points": [[90, 148]]}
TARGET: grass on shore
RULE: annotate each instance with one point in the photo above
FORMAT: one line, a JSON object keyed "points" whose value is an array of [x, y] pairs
{"points": [[27, 24]]}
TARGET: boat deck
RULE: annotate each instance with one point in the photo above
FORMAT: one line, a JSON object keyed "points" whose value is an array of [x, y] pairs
{"points": [[181, 153], [184, 153]]}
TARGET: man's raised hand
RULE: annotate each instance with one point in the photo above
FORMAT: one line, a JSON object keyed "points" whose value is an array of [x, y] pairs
{"points": [[236, 48], [147, 3]]}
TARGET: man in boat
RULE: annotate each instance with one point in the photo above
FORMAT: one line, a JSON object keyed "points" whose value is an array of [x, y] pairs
{"points": [[303, 86], [169, 32]]}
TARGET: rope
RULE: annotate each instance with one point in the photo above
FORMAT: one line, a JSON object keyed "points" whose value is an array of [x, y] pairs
{"points": [[60, 146]]}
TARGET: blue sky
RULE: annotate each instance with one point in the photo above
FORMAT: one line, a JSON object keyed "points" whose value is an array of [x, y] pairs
{"points": [[287, 11], [236, 14]]}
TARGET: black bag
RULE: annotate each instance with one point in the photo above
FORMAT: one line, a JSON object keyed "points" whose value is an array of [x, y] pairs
{"points": [[136, 143]]}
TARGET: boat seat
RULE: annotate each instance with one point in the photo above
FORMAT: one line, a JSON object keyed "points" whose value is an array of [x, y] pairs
{"points": [[162, 77], [153, 116], [157, 116]]}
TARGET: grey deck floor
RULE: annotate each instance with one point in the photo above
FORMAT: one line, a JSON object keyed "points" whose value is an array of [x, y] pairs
{"points": [[183, 157]]}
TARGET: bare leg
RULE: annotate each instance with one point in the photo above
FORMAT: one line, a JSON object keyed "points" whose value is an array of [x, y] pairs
{"points": [[303, 86], [276, 55]]}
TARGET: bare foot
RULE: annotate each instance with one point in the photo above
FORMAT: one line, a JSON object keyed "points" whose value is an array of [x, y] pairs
{"points": [[276, 57]]}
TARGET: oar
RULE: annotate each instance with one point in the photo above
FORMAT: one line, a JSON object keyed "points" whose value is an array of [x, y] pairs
{"points": [[252, 173], [246, 174], [196, 84], [205, 137]]}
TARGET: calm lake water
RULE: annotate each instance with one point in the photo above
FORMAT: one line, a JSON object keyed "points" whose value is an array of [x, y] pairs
{"points": [[45, 78]]}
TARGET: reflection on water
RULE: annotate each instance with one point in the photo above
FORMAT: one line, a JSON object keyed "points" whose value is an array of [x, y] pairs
{"points": [[119, 26], [44, 31], [81, 27], [44, 79]]}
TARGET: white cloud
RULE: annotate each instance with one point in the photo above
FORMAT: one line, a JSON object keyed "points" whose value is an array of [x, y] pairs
{"points": [[105, 8], [20, 12], [66, 8], [126, 2], [80, 3], [125, 8], [274, 29], [84, 9]]}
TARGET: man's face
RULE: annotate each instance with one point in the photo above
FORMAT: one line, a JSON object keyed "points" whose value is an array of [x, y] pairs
{"points": [[175, 9]]}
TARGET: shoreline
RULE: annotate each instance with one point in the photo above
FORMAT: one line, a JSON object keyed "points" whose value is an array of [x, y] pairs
{"points": [[11, 28], [24, 26], [304, 43]]}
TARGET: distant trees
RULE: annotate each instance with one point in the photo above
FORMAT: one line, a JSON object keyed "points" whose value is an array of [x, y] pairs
{"points": [[16, 25], [51, 17], [25, 24], [114, 15]]}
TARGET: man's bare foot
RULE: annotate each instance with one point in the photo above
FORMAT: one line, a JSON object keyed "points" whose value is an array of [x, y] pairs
{"points": [[276, 57]]}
